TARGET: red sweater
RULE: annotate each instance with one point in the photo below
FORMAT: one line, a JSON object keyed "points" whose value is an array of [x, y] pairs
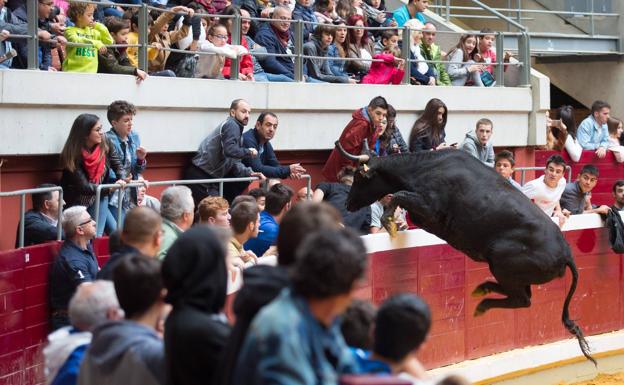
{"points": [[246, 64], [384, 72]]}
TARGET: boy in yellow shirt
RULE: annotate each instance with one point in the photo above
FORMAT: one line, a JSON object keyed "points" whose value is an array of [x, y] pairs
{"points": [[85, 31]]}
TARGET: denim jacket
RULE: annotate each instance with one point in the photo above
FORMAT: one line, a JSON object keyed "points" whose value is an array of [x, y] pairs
{"points": [[287, 345], [136, 167]]}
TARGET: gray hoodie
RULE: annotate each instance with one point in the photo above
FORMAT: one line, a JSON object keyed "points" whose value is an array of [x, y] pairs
{"points": [[123, 352], [472, 146]]}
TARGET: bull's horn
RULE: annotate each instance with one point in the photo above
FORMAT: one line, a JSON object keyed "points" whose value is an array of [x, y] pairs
{"points": [[355, 158]]}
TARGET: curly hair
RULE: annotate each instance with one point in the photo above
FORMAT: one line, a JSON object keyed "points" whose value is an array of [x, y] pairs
{"points": [[76, 10]]}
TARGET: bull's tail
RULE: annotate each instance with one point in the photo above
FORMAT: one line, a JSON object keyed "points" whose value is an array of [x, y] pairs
{"points": [[565, 317]]}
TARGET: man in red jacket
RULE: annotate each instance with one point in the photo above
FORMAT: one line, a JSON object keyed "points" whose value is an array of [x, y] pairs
{"points": [[366, 124]]}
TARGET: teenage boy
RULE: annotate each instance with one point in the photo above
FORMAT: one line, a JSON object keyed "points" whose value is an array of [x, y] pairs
{"points": [[576, 197], [277, 204], [504, 165], [618, 194], [213, 211], [546, 190], [245, 225], [412, 10], [593, 133], [478, 143]]}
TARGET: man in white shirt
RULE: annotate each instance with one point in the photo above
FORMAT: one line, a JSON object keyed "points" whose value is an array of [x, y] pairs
{"points": [[546, 190]]}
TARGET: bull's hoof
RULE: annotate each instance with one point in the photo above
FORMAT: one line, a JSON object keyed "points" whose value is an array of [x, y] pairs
{"points": [[479, 311], [479, 292]]}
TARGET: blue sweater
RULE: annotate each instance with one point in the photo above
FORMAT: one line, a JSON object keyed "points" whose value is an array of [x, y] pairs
{"points": [[267, 38], [266, 162]]}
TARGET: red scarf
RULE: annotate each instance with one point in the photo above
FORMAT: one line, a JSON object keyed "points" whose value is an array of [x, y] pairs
{"points": [[94, 164], [282, 36]]}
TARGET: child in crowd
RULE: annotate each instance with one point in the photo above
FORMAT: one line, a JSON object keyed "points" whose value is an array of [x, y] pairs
{"points": [[317, 46], [462, 67], [421, 72], [211, 66], [160, 36], [389, 71], [115, 60], [85, 31], [245, 64], [487, 55], [615, 131], [389, 39], [504, 165], [133, 39]]}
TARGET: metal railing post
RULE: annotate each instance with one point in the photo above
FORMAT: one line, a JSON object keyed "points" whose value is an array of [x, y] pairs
{"points": [[519, 12], [591, 18], [525, 57], [220, 189], [236, 39], [120, 196], [405, 53], [448, 10], [33, 42], [143, 37], [22, 212], [309, 187], [500, 58], [298, 50], [98, 194], [59, 227]]}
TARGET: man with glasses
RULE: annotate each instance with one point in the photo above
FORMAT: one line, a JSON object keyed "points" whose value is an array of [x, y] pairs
{"points": [[75, 263]]}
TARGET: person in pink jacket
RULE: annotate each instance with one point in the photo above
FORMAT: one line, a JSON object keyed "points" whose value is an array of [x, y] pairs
{"points": [[388, 71]]}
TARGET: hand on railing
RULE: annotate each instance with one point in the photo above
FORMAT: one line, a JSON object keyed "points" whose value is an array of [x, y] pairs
{"points": [[141, 152], [258, 175], [253, 152], [296, 171], [140, 76]]}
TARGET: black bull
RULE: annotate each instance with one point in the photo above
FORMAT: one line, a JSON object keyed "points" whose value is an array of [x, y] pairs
{"points": [[453, 195]]}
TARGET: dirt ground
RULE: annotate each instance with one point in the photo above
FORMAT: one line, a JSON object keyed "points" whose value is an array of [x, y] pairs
{"points": [[601, 379]]}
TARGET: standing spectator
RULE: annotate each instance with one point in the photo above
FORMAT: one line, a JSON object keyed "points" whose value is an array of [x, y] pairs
{"points": [[87, 158], [130, 352], [462, 68], [318, 45], [75, 263], [365, 124], [84, 31], [127, 144], [214, 211], [141, 234], [259, 139], [412, 10], [40, 223], [9, 24], [245, 65], [92, 305], [196, 330], [618, 195], [305, 11], [421, 72], [593, 133], [115, 60], [432, 51], [245, 225], [220, 155], [277, 204], [391, 141], [478, 144], [378, 209], [504, 165], [360, 47], [276, 37], [177, 210], [576, 197], [546, 190], [306, 343], [339, 49], [563, 131], [428, 131], [615, 132]]}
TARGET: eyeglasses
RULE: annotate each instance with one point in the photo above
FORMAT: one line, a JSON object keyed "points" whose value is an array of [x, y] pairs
{"points": [[222, 37]]}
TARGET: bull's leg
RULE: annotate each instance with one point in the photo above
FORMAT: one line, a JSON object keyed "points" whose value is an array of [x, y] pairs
{"points": [[516, 298], [486, 288], [410, 201]]}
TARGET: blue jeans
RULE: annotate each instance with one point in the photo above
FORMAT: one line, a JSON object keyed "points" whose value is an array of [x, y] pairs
{"points": [[106, 220], [266, 77]]}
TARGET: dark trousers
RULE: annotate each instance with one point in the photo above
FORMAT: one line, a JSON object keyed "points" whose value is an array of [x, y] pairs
{"points": [[202, 190]]}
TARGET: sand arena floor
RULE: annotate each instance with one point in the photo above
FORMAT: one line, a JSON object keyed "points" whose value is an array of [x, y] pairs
{"points": [[601, 379]]}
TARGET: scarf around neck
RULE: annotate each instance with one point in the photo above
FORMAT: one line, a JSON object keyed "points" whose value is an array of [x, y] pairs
{"points": [[94, 164], [283, 37]]}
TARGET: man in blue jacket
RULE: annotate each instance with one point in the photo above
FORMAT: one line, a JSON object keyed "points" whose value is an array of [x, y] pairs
{"points": [[40, 223]]}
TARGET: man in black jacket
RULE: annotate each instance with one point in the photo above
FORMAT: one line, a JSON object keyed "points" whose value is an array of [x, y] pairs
{"points": [[40, 223]]}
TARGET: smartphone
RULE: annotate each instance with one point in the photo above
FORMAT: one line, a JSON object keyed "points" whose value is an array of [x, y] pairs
{"points": [[389, 15], [555, 123]]}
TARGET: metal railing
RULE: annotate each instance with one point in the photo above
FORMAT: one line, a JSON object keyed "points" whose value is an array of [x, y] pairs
{"points": [[22, 194], [523, 171]]}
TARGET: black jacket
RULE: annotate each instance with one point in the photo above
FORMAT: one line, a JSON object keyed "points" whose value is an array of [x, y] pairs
{"points": [[106, 272], [37, 229], [267, 162]]}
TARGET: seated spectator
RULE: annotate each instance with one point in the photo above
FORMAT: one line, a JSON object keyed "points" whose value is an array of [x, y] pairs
{"points": [[84, 31], [302, 195], [220, 155], [504, 165], [389, 70], [414, 9], [339, 49], [260, 197], [40, 223], [276, 37], [214, 211], [75, 263], [358, 324], [344, 9], [391, 141], [306, 343], [263, 282], [245, 64], [546, 190], [245, 198], [618, 195], [130, 351], [421, 72], [462, 68], [365, 124], [127, 144], [593, 133], [318, 45], [184, 64], [133, 38], [305, 11], [431, 51], [401, 326], [160, 37], [487, 55], [360, 47], [478, 144], [562, 130], [146, 200], [277, 204], [12, 25], [259, 138], [388, 39], [141, 234], [376, 16], [115, 60], [48, 26], [615, 131], [178, 211], [196, 330], [212, 66], [92, 305], [245, 225], [336, 195], [377, 211], [428, 130], [325, 11], [576, 198]]}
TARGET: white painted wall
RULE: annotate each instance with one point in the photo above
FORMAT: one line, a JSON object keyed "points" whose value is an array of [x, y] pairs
{"points": [[38, 108]]}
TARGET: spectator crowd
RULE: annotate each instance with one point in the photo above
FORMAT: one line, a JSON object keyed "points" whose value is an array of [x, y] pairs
{"points": [[195, 40]]}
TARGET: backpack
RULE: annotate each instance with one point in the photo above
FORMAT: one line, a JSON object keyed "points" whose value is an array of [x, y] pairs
{"points": [[615, 227]]}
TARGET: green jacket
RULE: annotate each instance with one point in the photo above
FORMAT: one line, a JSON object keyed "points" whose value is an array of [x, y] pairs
{"points": [[433, 53], [171, 232], [85, 59], [115, 62]]}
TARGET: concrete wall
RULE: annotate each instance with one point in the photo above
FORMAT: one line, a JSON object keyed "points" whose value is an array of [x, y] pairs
{"points": [[38, 108]]}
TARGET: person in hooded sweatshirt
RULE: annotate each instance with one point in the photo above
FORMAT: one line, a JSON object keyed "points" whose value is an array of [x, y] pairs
{"points": [[195, 275], [478, 143], [130, 352]]}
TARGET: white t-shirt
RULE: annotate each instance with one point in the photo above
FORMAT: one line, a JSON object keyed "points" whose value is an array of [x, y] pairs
{"points": [[545, 198]]}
